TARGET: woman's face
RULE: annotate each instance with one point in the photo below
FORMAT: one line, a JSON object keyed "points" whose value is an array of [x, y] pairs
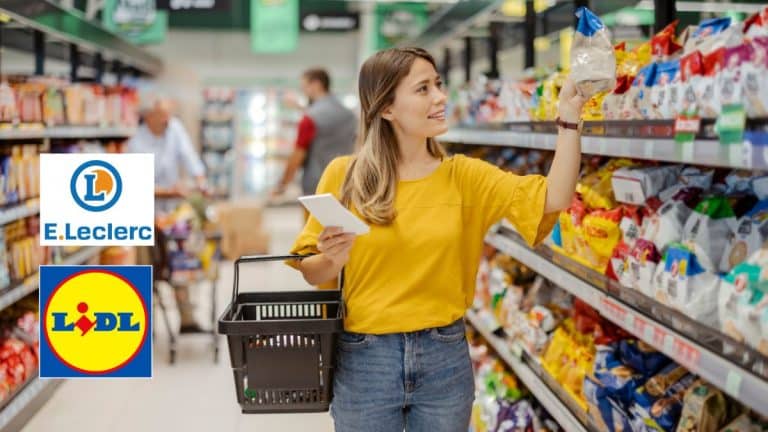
{"points": [[419, 105]]}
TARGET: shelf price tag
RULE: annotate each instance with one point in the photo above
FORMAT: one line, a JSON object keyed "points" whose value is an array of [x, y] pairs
{"points": [[730, 124], [669, 344], [686, 128], [648, 333], [733, 383], [629, 321]]}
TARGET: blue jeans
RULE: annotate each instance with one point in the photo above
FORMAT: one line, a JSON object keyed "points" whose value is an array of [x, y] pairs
{"points": [[420, 381]]}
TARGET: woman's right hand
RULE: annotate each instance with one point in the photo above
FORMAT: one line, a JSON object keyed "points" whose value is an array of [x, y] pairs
{"points": [[335, 245]]}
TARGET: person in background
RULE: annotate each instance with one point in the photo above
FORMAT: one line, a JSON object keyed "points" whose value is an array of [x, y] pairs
{"points": [[326, 130], [164, 136]]}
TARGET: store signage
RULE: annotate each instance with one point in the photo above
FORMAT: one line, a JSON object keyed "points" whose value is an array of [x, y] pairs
{"points": [[96, 200], [329, 22], [194, 5], [274, 26], [139, 21], [397, 22], [95, 321]]}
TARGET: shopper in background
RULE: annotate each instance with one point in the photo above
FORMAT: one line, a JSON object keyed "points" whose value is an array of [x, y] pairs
{"points": [[165, 136], [403, 360], [326, 130]]}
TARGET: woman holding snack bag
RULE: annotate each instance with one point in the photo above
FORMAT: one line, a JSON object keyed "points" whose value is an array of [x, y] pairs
{"points": [[403, 360]]}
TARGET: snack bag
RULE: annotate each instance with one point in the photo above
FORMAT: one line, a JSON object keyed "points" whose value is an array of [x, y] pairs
{"points": [[666, 92], [756, 25], [686, 286], [664, 43], [691, 75], [743, 303], [637, 101], [705, 88], [641, 357], [704, 409], [642, 263], [9, 112], [732, 80], [602, 234], [708, 230], [750, 234], [613, 101], [755, 84], [570, 228], [53, 107], [665, 225], [712, 35], [593, 62]]}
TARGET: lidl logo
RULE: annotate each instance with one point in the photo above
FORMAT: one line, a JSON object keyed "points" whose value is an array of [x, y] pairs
{"points": [[96, 185], [97, 199], [96, 321]]}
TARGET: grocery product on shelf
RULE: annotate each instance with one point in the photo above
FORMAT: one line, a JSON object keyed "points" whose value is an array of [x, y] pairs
{"points": [[218, 137], [18, 346], [593, 63]]}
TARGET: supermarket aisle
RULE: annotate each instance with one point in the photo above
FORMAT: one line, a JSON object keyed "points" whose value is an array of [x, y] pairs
{"points": [[194, 394]]}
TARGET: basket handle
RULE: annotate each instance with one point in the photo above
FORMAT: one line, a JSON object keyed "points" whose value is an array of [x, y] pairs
{"points": [[266, 258]]}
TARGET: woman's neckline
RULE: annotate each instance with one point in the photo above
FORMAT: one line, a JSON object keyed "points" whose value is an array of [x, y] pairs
{"points": [[428, 176]]}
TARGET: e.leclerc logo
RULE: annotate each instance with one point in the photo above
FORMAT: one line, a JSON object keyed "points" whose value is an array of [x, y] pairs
{"points": [[93, 212], [96, 321]]}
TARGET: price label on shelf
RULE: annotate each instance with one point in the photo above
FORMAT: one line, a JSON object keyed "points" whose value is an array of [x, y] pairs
{"points": [[733, 383], [629, 321], [648, 332], [669, 344]]}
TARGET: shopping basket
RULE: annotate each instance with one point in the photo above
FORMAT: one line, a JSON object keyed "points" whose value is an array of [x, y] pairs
{"points": [[282, 345]]}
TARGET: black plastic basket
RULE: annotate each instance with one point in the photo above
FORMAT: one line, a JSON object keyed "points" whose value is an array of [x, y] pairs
{"points": [[282, 345]]}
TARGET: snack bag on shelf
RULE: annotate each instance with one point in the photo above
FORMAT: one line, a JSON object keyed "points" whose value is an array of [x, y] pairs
{"points": [[635, 60], [602, 234], [637, 101], [708, 230], [74, 96], [664, 43], [53, 106], [706, 87], [636, 185], [750, 234], [9, 109], [705, 408], [712, 35], [691, 75], [641, 357], [686, 286], [642, 263], [756, 25], [666, 97], [571, 228], [756, 86], [593, 62], [742, 303], [30, 99], [665, 225], [613, 101], [732, 79]]}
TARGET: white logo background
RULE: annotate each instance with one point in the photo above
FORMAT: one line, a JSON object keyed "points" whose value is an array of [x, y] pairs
{"points": [[135, 207]]}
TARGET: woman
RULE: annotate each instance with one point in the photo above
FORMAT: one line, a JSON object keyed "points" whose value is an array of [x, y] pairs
{"points": [[403, 361]]}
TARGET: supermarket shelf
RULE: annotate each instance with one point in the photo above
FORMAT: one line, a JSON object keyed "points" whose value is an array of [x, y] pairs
{"points": [[710, 364], [26, 403], [72, 26], [543, 393], [700, 152], [66, 132], [14, 212], [30, 284]]}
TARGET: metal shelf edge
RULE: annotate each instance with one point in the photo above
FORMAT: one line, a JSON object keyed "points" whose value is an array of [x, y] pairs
{"points": [[731, 378], [700, 152], [26, 403], [540, 390], [29, 208], [66, 132]]}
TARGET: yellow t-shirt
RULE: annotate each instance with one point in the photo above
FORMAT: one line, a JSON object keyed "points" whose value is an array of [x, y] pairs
{"points": [[420, 271]]}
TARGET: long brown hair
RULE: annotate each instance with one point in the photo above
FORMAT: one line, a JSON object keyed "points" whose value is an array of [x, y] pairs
{"points": [[372, 176]]}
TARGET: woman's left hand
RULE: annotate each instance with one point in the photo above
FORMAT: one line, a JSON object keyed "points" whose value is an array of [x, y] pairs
{"points": [[571, 103]]}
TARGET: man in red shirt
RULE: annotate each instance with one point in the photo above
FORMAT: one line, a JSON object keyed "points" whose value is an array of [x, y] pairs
{"points": [[326, 130]]}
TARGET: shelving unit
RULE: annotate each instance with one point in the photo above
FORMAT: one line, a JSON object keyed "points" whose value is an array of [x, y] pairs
{"points": [[749, 155], [744, 380], [66, 132], [532, 380], [28, 401]]}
